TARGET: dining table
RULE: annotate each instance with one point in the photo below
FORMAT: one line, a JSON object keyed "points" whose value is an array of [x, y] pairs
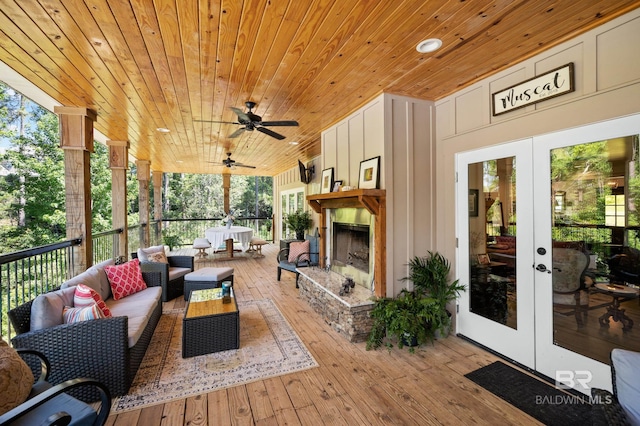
{"points": [[228, 235]]}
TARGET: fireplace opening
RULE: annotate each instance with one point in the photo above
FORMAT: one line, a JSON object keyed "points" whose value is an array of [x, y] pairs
{"points": [[351, 246]]}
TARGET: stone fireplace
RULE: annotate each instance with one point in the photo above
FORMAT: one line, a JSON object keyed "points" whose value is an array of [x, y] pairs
{"points": [[351, 237], [352, 242]]}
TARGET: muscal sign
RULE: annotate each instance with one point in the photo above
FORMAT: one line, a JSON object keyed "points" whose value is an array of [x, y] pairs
{"points": [[537, 89]]}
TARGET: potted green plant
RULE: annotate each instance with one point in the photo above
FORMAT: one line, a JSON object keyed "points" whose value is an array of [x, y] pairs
{"points": [[299, 221], [430, 277], [171, 240], [407, 318]]}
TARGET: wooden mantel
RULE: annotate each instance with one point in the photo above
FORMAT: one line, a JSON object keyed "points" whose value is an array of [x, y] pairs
{"points": [[374, 201]]}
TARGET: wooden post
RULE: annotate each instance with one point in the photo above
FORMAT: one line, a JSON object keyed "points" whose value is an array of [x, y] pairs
{"points": [[119, 164], [157, 204], [144, 173], [76, 139], [226, 185]]}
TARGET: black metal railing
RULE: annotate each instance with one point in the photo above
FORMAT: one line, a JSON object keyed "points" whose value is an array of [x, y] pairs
{"points": [[105, 244], [27, 273]]}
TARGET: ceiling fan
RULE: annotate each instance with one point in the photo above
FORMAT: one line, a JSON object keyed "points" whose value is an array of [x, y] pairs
{"points": [[251, 122], [228, 162]]}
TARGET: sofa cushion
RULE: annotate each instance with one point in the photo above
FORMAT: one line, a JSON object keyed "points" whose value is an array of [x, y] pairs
{"points": [[86, 296], [143, 253], [71, 315], [46, 309], [296, 248], [94, 277], [125, 279], [16, 378], [138, 308], [626, 365], [177, 272]]}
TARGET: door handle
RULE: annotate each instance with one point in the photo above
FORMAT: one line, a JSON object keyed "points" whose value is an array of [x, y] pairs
{"points": [[542, 268]]}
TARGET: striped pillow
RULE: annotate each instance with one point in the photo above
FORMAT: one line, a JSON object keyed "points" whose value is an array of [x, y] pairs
{"points": [[86, 296], [71, 315], [296, 249]]}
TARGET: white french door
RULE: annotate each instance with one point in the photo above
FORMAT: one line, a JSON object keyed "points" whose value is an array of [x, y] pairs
{"points": [[577, 192], [496, 309]]}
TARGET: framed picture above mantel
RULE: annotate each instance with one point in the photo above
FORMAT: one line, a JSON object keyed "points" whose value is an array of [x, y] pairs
{"points": [[369, 176]]}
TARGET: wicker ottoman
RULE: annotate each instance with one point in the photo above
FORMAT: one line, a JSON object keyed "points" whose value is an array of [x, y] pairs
{"points": [[206, 278]]}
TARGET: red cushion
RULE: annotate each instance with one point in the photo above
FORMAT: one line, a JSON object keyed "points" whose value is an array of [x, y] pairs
{"points": [[296, 248], [86, 296], [125, 279]]}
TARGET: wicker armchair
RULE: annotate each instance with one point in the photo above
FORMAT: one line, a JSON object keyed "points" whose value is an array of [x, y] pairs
{"points": [[53, 405], [621, 406], [98, 348], [171, 274]]}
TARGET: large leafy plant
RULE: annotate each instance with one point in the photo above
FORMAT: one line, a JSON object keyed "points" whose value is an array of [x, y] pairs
{"points": [[430, 277], [299, 221]]}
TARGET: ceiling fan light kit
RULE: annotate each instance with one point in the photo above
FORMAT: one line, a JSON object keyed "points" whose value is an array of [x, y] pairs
{"points": [[228, 162], [252, 122]]}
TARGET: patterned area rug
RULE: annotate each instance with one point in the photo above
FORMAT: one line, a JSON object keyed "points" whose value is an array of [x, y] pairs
{"points": [[268, 347]]}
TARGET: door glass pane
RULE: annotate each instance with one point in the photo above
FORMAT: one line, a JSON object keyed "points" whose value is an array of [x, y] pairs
{"points": [[492, 240], [596, 246]]}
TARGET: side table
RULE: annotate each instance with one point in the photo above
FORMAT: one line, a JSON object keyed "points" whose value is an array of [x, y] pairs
{"points": [[619, 293]]}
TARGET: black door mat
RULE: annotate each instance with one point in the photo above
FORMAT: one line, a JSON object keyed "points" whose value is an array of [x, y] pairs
{"points": [[538, 399]]}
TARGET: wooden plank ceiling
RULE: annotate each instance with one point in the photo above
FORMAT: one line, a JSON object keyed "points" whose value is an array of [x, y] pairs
{"points": [[148, 64]]}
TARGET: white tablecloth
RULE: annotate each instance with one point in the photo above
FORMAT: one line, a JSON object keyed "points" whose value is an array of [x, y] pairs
{"points": [[217, 236]]}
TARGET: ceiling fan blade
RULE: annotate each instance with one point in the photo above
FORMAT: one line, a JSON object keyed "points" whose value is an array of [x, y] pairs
{"points": [[244, 165], [213, 121], [237, 133], [279, 123], [242, 117], [270, 133]]}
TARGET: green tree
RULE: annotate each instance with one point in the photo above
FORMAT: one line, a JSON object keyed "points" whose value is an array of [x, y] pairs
{"points": [[35, 185]]}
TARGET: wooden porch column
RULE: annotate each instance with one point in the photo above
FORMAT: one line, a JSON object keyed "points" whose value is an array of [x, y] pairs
{"points": [[76, 139], [118, 163], [157, 204], [226, 185], [144, 173]]}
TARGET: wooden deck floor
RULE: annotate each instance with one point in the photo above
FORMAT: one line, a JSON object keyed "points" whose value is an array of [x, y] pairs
{"points": [[351, 386]]}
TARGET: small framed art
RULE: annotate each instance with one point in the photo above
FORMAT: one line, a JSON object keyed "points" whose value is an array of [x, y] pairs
{"points": [[484, 259], [336, 186], [327, 180], [369, 173]]}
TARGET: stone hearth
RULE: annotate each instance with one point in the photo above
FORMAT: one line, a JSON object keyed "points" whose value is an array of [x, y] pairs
{"points": [[348, 314]]}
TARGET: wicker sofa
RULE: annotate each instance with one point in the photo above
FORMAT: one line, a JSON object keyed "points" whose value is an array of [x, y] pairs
{"points": [[108, 350]]}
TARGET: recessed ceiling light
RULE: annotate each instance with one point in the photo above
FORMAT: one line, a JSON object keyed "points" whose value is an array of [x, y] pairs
{"points": [[294, 143], [429, 45], [163, 130]]}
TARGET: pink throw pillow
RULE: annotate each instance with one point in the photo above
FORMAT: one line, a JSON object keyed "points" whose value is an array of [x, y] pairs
{"points": [[86, 296], [297, 248], [125, 279]]}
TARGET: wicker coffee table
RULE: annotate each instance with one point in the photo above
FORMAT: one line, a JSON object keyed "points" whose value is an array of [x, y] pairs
{"points": [[209, 325]]}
